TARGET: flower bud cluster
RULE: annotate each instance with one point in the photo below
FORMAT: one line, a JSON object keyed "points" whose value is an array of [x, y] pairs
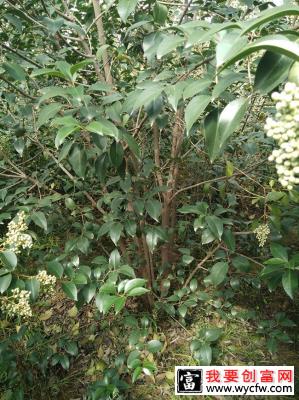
{"points": [[262, 232], [47, 281], [17, 305], [16, 239], [284, 128]]}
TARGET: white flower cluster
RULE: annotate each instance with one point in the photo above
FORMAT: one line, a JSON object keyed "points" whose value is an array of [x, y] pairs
{"points": [[285, 130], [17, 305], [262, 232], [47, 281], [16, 239]]}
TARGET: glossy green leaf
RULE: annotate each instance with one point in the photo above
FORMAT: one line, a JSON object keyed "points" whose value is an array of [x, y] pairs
{"points": [[70, 290], [217, 130], [269, 15], [290, 282], [55, 268], [134, 283], [194, 110], [138, 291], [154, 346], [5, 282], [294, 73], [63, 133], [126, 8], [217, 274], [103, 127], [9, 259], [115, 232], [153, 208], [195, 86], [33, 286], [215, 225], [15, 71], [168, 44], [40, 220], [272, 69], [105, 301], [204, 354], [78, 160], [160, 13], [275, 43], [48, 112], [116, 153]]}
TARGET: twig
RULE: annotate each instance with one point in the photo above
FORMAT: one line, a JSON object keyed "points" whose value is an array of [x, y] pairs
{"points": [[17, 89], [203, 261]]}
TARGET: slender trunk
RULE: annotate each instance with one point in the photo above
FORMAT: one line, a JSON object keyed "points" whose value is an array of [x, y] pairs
{"points": [[102, 40]]}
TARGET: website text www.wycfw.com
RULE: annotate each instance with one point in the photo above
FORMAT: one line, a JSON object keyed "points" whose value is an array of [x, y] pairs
{"points": [[250, 390]]}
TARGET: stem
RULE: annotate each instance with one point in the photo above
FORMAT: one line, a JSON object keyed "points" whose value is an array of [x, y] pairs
{"points": [[102, 40], [200, 265]]}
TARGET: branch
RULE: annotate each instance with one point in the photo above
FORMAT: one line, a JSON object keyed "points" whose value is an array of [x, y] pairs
{"points": [[185, 11], [102, 40], [17, 89], [203, 261], [156, 143], [20, 55]]}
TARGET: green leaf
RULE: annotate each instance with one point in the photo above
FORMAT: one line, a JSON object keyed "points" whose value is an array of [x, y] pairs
{"points": [[215, 225], [33, 286], [105, 301], [126, 270], [154, 346], [100, 87], [80, 278], [115, 232], [275, 43], [269, 15], [40, 220], [279, 251], [182, 310], [76, 67], [114, 258], [212, 334], [15, 71], [65, 68], [224, 82], [131, 142], [78, 160], [134, 283], [218, 274], [290, 282], [70, 290], [47, 112], [89, 292], [152, 239], [194, 109], [119, 304], [153, 208], [55, 268], [136, 373], [63, 133], [9, 259], [103, 127], [229, 239], [193, 87], [294, 73], [125, 8], [272, 70], [5, 282], [116, 154], [168, 44], [204, 354], [160, 13], [139, 291], [217, 130]]}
